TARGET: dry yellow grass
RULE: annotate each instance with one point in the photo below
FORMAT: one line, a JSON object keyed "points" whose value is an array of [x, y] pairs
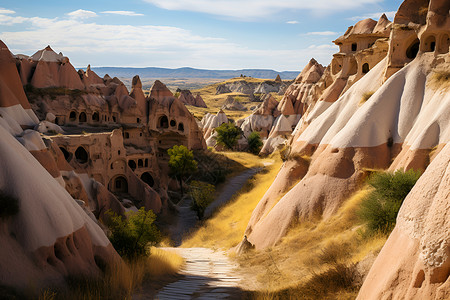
{"points": [[366, 96], [439, 79], [311, 251], [226, 228], [121, 279]]}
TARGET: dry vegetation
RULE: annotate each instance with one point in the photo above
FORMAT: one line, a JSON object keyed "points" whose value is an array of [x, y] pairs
{"points": [[231, 221], [366, 96], [122, 280], [316, 260], [440, 80]]}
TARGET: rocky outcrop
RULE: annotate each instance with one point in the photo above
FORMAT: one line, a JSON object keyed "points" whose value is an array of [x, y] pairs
{"points": [[415, 261], [376, 123], [361, 48], [51, 236], [252, 87], [187, 98], [233, 104], [209, 123]]}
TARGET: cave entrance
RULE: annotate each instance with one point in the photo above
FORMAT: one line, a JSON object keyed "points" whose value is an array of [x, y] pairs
{"points": [[148, 179]]}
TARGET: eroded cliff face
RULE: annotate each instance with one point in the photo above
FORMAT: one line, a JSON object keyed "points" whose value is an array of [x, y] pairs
{"points": [[51, 236], [382, 121], [415, 261]]}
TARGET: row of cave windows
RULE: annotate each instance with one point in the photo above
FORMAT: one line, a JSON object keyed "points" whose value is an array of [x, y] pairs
{"points": [[82, 117], [163, 122], [429, 45], [141, 163]]}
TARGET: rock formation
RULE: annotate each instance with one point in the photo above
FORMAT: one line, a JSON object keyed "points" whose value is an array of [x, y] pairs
{"points": [[415, 261], [233, 104], [378, 123], [250, 87], [51, 236], [360, 49], [209, 123], [188, 99]]}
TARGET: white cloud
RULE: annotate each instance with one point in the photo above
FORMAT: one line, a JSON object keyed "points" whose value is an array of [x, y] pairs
{"points": [[5, 11], [245, 9], [292, 22], [122, 12], [324, 47], [375, 16], [323, 33], [166, 46], [82, 14]]}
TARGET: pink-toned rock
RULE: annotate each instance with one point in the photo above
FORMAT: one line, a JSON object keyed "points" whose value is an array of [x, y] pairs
{"points": [[415, 261]]}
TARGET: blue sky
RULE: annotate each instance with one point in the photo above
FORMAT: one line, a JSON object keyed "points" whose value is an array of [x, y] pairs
{"points": [[211, 34]]}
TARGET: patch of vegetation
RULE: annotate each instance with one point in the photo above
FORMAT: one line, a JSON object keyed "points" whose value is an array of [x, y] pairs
{"points": [[226, 227], [181, 163], [9, 205], [380, 207], [203, 194], [254, 142], [132, 236], [440, 79], [120, 279], [228, 135], [366, 96]]}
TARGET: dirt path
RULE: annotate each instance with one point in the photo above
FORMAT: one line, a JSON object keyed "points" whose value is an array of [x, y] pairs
{"points": [[187, 219], [207, 274]]}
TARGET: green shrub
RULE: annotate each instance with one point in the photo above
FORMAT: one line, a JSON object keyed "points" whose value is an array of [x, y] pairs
{"points": [[203, 194], [254, 143], [227, 135], [380, 207], [132, 236], [9, 206], [181, 163]]}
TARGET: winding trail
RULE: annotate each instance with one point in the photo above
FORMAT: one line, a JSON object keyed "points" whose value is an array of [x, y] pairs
{"points": [[207, 274], [187, 219]]}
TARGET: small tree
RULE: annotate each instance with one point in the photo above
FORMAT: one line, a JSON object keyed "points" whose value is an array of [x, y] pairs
{"points": [[380, 207], [203, 194], [227, 135], [132, 235], [254, 142], [181, 163]]}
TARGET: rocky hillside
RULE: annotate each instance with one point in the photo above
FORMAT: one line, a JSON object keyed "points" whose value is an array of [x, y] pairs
{"points": [[393, 115]]}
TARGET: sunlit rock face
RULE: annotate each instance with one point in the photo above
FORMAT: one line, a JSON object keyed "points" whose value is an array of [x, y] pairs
{"points": [[391, 122]]}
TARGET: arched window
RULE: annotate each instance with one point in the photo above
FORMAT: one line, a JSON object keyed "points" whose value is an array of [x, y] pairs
{"points": [[365, 68], [413, 49], [163, 122], [82, 118], [181, 127], [430, 44], [354, 47], [140, 163], [132, 164], [173, 123], [148, 179], [81, 155], [95, 117], [72, 116], [120, 185]]}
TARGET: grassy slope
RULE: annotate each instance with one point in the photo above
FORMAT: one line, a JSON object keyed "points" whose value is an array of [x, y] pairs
{"points": [[295, 267], [231, 221]]}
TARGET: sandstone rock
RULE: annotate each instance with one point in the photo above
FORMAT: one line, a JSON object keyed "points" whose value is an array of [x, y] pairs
{"points": [[232, 104], [415, 263]]}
